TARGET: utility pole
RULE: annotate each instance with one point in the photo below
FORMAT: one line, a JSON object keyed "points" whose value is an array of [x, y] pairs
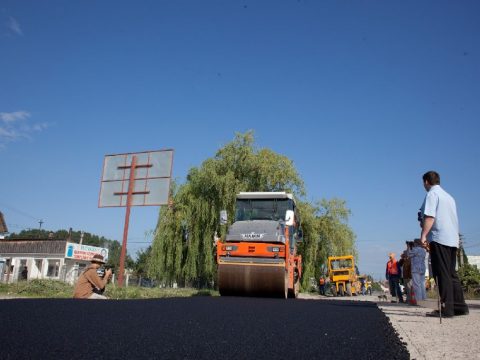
{"points": [[40, 222], [460, 250], [81, 237]]}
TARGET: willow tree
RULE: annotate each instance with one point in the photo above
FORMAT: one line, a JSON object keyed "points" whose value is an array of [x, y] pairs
{"points": [[183, 246], [327, 234]]}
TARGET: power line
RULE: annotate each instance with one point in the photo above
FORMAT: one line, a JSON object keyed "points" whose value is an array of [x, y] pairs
{"points": [[18, 226], [23, 213]]}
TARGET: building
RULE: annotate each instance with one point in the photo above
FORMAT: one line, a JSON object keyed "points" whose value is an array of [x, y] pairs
{"points": [[474, 260], [58, 259]]}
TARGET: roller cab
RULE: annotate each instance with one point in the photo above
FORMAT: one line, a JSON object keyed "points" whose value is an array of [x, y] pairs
{"points": [[258, 255]]}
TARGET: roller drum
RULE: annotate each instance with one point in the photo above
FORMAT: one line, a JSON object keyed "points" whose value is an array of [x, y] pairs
{"points": [[252, 280]]}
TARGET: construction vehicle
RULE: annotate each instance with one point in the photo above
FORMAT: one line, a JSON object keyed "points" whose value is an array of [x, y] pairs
{"points": [[343, 275], [258, 256]]}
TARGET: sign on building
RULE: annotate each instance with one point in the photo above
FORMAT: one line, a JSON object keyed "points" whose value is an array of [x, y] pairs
{"points": [[84, 252]]}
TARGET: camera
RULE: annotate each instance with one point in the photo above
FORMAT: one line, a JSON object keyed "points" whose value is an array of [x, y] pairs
{"points": [[101, 270], [420, 216]]}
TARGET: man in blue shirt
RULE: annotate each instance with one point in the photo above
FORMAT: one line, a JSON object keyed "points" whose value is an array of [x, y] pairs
{"points": [[440, 233]]}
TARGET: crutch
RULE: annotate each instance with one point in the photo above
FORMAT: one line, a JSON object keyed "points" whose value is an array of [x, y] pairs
{"points": [[439, 302]]}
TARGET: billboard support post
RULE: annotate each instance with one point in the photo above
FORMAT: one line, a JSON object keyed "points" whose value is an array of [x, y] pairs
{"points": [[127, 220], [147, 184]]}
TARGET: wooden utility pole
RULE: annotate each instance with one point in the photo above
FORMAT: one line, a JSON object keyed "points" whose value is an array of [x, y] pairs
{"points": [[460, 251]]}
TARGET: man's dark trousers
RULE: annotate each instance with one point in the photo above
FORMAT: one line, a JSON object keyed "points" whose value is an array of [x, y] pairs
{"points": [[395, 290], [444, 259]]}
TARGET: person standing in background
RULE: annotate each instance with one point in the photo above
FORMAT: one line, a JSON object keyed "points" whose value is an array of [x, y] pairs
{"points": [[417, 255], [322, 285], [405, 263], [392, 274]]}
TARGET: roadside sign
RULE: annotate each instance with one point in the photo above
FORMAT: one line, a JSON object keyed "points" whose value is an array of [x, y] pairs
{"points": [[84, 252], [152, 175], [135, 179]]}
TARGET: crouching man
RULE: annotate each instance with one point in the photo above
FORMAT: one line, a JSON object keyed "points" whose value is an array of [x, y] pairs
{"points": [[89, 284]]}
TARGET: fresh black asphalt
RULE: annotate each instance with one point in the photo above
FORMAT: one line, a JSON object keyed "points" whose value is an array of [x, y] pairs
{"points": [[196, 328]]}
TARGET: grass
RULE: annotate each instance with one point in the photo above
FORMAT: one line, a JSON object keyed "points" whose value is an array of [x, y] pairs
{"points": [[468, 295], [472, 294], [58, 289], [135, 292], [37, 289]]}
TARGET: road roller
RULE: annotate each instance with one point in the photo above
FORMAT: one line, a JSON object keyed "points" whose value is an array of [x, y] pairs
{"points": [[258, 256]]}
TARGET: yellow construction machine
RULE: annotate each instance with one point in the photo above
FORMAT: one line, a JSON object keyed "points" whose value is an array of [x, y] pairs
{"points": [[343, 275]]}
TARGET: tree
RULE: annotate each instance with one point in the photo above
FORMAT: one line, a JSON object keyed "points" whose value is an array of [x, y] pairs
{"points": [[326, 234], [469, 276], [142, 261], [183, 246]]}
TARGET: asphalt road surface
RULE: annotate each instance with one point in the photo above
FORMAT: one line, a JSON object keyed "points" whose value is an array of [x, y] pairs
{"points": [[196, 328]]}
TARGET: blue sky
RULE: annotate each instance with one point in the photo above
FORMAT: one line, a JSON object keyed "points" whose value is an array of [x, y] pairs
{"points": [[363, 96]]}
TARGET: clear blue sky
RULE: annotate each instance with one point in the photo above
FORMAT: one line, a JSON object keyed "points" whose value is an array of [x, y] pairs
{"points": [[364, 96]]}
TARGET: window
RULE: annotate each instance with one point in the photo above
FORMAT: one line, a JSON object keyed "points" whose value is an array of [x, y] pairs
{"points": [[9, 267], [38, 264], [341, 264], [53, 267], [262, 209]]}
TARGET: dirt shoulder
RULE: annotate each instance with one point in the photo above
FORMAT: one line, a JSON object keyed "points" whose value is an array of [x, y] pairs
{"points": [[426, 338]]}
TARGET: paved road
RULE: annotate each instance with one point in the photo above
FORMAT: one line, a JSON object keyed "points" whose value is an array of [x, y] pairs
{"points": [[196, 328]]}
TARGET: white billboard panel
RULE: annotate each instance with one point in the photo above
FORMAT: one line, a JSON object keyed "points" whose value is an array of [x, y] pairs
{"points": [[152, 178]]}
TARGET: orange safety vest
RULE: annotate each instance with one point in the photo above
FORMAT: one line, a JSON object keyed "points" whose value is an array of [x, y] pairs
{"points": [[322, 281], [392, 267]]}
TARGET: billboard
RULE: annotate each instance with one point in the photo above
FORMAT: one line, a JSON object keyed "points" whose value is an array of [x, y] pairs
{"points": [[84, 252], [151, 179]]}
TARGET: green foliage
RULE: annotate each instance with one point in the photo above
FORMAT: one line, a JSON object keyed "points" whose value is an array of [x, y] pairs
{"points": [[58, 289], [141, 263], [88, 238], [183, 246], [135, 292], [38, 288], [376, 286], [327, 234], [469, 276], [114, 251]]}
